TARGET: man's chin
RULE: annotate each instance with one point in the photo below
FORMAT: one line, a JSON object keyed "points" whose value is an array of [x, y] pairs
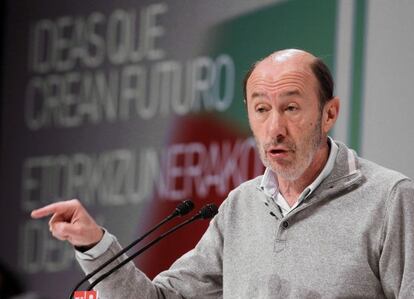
{"points": [[286, 173], [283, 165], [288, 176]]}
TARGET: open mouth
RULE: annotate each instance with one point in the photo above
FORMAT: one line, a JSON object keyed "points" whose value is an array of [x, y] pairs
{"points": [[277, 151]]}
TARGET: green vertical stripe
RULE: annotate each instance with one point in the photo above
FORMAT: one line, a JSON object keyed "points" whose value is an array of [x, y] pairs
{"points": [[355, 132]]}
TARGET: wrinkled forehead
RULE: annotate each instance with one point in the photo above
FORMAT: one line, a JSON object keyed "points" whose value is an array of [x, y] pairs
{"points": [[278, 71]]}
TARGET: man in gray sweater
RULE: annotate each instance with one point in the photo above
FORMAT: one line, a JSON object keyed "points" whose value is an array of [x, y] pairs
{"points": [[319, 223]]}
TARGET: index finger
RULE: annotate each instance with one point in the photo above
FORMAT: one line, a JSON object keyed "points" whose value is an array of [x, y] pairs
{"points": [[57, 207]]}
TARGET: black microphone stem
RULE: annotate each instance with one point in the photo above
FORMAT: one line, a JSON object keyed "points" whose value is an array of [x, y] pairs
{"points": [[103, 276]]}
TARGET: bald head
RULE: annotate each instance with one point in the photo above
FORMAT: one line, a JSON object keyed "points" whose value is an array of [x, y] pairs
{"points": [[290, 56], [297, 60]]}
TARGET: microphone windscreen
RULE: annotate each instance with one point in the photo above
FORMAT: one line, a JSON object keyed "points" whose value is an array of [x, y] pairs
{"points": [[208, 211], [185, 207]]}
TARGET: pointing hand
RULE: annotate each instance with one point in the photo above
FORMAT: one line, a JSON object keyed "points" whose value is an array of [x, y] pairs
{"points": [[70, 221]]}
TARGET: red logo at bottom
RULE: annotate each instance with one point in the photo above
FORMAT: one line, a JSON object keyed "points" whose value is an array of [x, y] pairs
{"points": [[86, 295]]}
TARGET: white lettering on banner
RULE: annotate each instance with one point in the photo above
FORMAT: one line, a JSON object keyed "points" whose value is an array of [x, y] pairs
{"points": [[76, 98], [125, 176], [216, 167], [99, 68], [122, 37]]}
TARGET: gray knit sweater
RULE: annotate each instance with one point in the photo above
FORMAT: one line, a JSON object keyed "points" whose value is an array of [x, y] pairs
{"points": [[352, 238]]}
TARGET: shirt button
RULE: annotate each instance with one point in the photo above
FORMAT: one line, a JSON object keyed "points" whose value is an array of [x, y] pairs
{"points": [[285, 224]]}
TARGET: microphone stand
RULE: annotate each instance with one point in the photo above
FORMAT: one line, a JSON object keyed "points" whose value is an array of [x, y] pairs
{"points": [[206, 212]]}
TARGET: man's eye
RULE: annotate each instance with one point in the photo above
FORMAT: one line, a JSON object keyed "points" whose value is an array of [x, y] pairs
{"points": [[261, 109], [291, 108]]}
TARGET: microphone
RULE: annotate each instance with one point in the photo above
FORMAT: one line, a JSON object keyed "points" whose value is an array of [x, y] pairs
{"points": [[206, 212], [182, 209]]}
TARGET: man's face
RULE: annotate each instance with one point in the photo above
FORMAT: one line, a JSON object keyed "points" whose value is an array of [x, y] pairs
{"points": [[284, 114]]}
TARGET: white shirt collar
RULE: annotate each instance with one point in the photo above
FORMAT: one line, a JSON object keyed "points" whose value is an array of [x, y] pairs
{"points": [[270, 187]]}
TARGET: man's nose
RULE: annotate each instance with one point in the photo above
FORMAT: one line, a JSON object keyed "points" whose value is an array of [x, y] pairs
{"points": [[276, 127]]}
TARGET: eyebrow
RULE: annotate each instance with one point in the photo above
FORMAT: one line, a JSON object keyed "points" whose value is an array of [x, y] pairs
{"points": [[258, 95], [289, 93]]}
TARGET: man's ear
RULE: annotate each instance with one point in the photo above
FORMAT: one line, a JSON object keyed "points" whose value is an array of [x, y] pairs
{"points": [[330, 114]]}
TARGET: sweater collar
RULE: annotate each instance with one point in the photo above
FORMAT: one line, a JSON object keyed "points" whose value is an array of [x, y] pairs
{"points": [[345, 176]]}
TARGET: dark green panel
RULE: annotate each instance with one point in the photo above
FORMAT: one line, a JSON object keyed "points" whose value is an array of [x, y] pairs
{"points": [[356, 112], [304, 24]]}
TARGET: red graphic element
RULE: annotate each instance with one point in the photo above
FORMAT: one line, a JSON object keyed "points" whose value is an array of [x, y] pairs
{"points": [[231, 156], [86, 295]]}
